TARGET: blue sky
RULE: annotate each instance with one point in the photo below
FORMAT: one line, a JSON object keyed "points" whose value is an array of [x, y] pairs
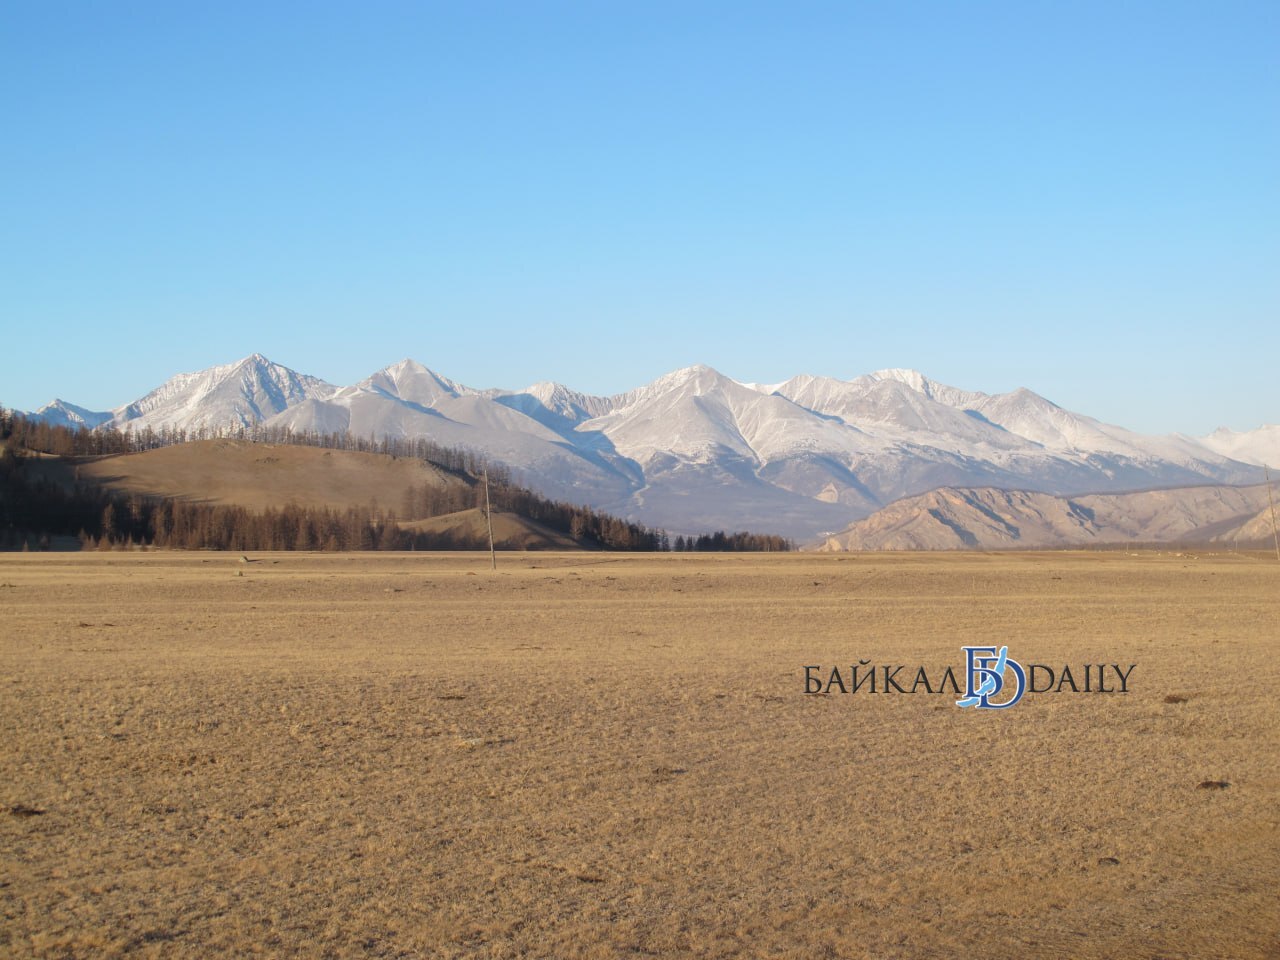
{"points": [[1080, 198]]}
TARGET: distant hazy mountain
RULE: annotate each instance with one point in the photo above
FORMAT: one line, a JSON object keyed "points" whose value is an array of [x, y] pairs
{"points": [[1254, 446], [696, 450], [985, 519]]}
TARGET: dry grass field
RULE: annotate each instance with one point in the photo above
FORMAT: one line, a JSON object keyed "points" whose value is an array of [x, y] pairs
{"points": [[598, 755], [261, 475]]}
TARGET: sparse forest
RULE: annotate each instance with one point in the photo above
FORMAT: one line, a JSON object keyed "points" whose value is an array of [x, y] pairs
{"points": [[36, 509]]}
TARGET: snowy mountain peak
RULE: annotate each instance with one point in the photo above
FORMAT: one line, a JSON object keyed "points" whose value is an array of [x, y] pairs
{"points": [[63, 414], [797, 384], [568, 403], [913, 378], [407, 364], [229, 395], [697, 373], [941, 392], [1261, 446], [694, 381], [1024, 399], [413, 382], [701, 377]]}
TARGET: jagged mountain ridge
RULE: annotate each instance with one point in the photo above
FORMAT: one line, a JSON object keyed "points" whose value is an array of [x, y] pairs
{"points": [[697, 450], [230, 395]]}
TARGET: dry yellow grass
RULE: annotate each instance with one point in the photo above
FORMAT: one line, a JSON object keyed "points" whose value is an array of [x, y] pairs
{"points": [[261, 475], [595, 756], [510, 531]]}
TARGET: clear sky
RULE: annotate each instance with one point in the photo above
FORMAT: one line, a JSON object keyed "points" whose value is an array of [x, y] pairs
{"points": [[1081, 198]]}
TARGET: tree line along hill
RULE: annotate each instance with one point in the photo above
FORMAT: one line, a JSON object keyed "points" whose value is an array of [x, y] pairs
{"points": [[273, 489]]}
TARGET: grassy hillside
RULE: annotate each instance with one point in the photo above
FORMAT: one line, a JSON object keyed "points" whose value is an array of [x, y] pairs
{"points": [[277, 490], [261, 475], [240, 494], [510, 531]]}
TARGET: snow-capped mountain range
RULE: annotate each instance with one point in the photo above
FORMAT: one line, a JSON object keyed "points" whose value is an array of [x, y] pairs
{"points": [[695, 450]]}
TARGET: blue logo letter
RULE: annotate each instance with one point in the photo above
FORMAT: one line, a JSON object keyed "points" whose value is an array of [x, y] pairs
{"points": [[984, 675]]}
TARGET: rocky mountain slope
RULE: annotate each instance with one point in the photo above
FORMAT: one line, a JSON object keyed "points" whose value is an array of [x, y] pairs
{"points": [[955, 518]]}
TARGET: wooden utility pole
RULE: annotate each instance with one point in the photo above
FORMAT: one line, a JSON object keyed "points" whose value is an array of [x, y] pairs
{"points": [[488, 516], [1274, 536]]}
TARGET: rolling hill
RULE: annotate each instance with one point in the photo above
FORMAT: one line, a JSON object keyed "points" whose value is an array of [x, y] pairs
{"points": [[240, 494], [958, 518], [259, 475]]}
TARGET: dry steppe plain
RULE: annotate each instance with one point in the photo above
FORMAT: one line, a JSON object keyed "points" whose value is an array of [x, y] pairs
{"points": [[601, 755]]}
